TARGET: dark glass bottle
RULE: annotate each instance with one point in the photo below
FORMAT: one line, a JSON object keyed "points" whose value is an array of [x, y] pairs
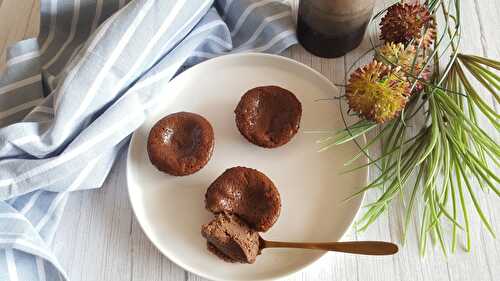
{"points": [[331, 28]]}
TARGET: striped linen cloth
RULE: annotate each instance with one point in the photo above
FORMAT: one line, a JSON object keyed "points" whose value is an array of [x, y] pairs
{"points": [[70, 99]]}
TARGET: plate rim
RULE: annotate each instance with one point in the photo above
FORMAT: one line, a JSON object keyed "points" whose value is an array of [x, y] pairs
{"points": [[189, 268]]}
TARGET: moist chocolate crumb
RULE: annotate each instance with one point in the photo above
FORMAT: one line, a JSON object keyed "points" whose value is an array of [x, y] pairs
{"points": [[231, 239], [212, 249]]}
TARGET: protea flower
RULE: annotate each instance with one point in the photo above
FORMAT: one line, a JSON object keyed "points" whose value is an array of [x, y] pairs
{"points": [[405, 22], [377, 92], [407, 58]]}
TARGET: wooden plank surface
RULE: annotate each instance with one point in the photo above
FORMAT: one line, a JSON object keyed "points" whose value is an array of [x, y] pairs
{"points": [[99, 238]]}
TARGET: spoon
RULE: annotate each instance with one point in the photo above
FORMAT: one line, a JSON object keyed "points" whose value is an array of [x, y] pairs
{"points": [[376, 248]]}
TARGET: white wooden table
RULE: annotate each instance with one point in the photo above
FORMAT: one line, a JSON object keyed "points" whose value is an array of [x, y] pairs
{"points": [[100, 239]]}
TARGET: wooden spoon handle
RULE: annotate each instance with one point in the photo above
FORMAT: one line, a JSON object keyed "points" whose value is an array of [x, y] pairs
{"points": [[354, 247]]}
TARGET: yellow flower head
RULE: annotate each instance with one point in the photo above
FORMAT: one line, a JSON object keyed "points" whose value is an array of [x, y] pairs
{"points": [[377, 92], [407, 59]]}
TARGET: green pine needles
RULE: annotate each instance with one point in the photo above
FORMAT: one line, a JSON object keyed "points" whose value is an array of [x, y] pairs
{"points": [[449, 150]]}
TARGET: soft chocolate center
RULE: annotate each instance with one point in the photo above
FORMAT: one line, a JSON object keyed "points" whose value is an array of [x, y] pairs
{"points": [[232, 239]]}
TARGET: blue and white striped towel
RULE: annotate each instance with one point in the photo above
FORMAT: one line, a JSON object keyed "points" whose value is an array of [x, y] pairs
{"points": [[70, 99]]}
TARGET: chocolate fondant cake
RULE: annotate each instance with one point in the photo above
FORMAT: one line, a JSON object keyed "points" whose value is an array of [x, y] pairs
{"points": [[247, 193], [181, 143], [268, 116]]}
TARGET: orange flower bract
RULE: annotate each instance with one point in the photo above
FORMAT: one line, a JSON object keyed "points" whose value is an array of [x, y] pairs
{"points": [[405, 22]]}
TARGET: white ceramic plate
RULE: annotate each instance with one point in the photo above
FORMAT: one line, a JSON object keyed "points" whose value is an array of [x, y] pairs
{"points": [[171, 209]]}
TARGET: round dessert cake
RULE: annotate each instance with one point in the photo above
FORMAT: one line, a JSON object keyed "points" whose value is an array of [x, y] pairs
{"points": [[247, 193], [181, 143], [268, 116]]}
